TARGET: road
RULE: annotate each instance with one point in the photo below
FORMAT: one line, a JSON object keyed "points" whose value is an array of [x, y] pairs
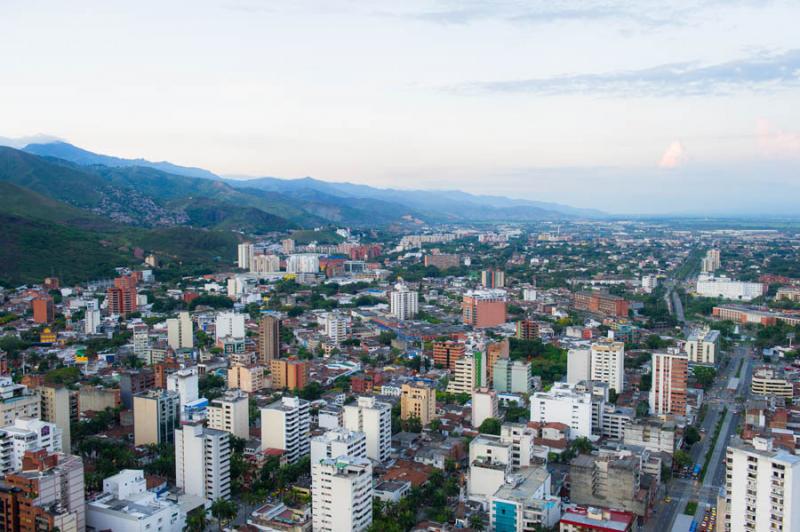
{"points": [[680, 490]]}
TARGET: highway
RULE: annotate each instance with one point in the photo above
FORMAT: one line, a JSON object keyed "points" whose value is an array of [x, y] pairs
{"points": [[681, 490]]}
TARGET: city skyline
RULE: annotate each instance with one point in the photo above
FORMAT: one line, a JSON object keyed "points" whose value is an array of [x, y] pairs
{"points": [[689, 108]]}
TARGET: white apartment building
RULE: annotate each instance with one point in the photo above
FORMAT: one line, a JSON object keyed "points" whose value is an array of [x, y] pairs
{"points": [[579, 365], [521, 437], [403, 303], [512, 376], [469, 374], [564, 404], [246, 252], [711, 262], [767, 381], [16, 400], [141, 340], [229, 324], [203, 461], [338, 442], [608, 363], [91, 321], [302, 263], [265, 264], [649, 283], [702, 346], [231, 413], [335, 327], [374, 419], [185, 383], [762, 485], [341, 494], [127, 506], [27, 434], [484, 406], [286, 425], [180, 331], [490, 461], [710, 286]]}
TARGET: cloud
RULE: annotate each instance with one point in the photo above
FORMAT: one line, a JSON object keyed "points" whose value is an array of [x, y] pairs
{"points": [[674, 156], [760, 72], [775, 143]]}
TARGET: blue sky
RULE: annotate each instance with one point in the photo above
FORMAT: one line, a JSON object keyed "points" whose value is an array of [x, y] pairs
{"points": [[629, 107]]}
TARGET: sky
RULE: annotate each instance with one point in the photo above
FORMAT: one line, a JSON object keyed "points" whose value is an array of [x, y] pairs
{"points": [[629, 107]]}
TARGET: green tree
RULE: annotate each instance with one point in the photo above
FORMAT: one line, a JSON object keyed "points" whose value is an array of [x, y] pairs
{"points": [[691, 435], [642, 409], [582, 445], [224, 511], [196, 521], [476, 521], [490, 425], [682, 459]]}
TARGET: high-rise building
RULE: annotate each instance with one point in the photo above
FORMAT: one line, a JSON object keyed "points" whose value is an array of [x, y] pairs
{"points": [[494, 352], [563, 403], [670, 375], [373, 418], [612, 480], [403, 303], [231, 413], [445, 354], [723, 287], [265, 264], [484, 406], [245, 255], [761, 487], [288, 246], [470, 373], [185, 383], [338, 442], [155, 417], [512, 376], [44, 310], [57, 407], [26, 434], [286, 425], [48, 494], [484, 308], [229, 324], [16, 400], [122, 297], [418, 400], [248, 378], [203, 461], [579, 365], [289, 373], [608, 363], [141, 341], [335, 327], [303, 263], [133, 382], [601, 303], [527, 330], [91, 321], [180, 332], [711, 262], [441, 261], [702, 346], [493, 279], [269, 339], [341, 494]]}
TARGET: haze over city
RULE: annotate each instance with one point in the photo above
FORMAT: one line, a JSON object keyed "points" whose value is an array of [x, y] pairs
{"points": [[630, 108]]}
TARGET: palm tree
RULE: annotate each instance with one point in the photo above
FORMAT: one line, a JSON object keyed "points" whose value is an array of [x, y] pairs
{"points": [[224, 511], [196, 521]]}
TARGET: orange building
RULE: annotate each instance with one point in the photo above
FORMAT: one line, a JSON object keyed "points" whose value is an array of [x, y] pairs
{"points": [[445, 354], [494, 352], [601, 303], [484, 308], [527, 330], [44, 311], [249, 379], [289, 373], [122, 296], [668, 388], [47, 336]]}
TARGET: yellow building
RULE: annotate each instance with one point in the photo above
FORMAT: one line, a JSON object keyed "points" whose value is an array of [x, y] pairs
{"points": [[418, 400], [47, 336], [249, 379]]}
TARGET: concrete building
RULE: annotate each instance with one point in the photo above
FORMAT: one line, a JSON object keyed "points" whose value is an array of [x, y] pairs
{"points": [[484, 308], [338, 442], [649, 283], [185, 383], [524, 502], [522, 440], [579, 365], [494, 352], [512, 376], [126, 505], [601, 303], [490, 462], [26, 434], [484, 406], [133, 382], [335, 327], [527, 330], [403, 303], [231, 413], [286, 425], [16, 400], [303, 263], [97, 398], [180, 332], [269, 339], [651, 434], [59, 406], [723, 287], [418, 400], [155, 417], [608, 480], [248, 378], [670, 379], [341, 494], [761, 488], [446, 354], [615, 420], [265, 264], [289, 373], [442, 261], [203, 462], [245, 255], [566, 404], [595, 519], [229, 324], [469, 374], [374, 419], [44, 310], [768, 381], [702, 346], [91, 321], [47, 494], [608, 364], [711, 262], [141, 342], [493, 278]]}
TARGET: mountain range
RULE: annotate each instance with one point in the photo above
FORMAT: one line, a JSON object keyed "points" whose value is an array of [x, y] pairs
{"points": [[57, 197]]}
